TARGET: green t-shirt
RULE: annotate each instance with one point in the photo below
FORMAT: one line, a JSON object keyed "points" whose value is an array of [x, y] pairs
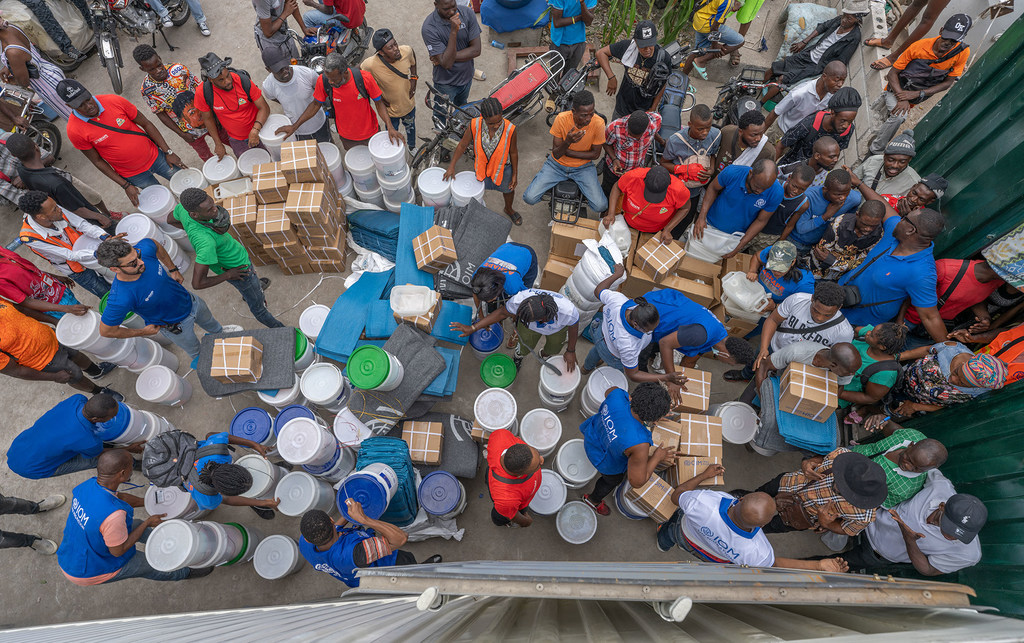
{"points": [[218, 251], [900, 486], [884, 377]]}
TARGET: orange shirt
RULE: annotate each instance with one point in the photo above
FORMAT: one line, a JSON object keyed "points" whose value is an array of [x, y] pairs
{"points": [[593, 135], [922, 49], [30, 342], [1009, 347]]}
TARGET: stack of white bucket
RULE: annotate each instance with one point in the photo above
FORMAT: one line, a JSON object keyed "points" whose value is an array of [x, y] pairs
{"points": [[176, 544], [342, 179], [380, 173], [140, 226], [82, 332], [592, 270]]}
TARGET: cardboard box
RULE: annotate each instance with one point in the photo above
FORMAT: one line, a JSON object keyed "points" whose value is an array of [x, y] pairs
{"points": [[302, 162], [319, 265], [425, 440], [701, 446], [237, 360], [333, 251], [298, 266], [703, 294], [657, 259], [697, 392], [655, 498], [243, 213], [808, 391], [689, 466], [567, 240], [694, 269], [556, 273], [423, 322], [292, 252], [274, 226], [434, 249], [665, 433], [327, 229], [479, 434], [638, 283], [311, 205], [269, 184], [740, 262]]}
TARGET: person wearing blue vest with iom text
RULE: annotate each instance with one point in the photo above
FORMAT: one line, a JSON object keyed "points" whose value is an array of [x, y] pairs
{"points": [[340, 551], [100, 535], [618, 441], [510, 269], [215, 480]]}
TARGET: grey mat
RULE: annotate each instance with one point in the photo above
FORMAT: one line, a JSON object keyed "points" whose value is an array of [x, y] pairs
{"points": [[477, 233], [460, 455], [278, 361]]}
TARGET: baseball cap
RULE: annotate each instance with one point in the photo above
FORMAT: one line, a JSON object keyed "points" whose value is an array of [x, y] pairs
{"points": [[856, 7], [382, 37], [963, 517], [956, 27], [936, 183], [656, 184], [275, 60], [645, 34], [781, 257], [73, 93]]}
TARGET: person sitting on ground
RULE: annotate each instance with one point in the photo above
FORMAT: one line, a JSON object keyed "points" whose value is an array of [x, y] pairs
{"points": [[841, 359], [229, 99], [641, 87], [890, 172], [942, 375], [824, 158], [99, 540], [215, 480], [40, 295], [713, 34], [805, 99], [879, 348], [509, 270], [776, 269], [11, 539], [1007, 345], [932, 10], [577, 140], [904, 454], [292, 87], [650, 200], [927, 67], [846, 241], [836, 121], [744, 143], [65, 439], [717, 527], [960, 284], [794, 203], [331, 547], [739, 199], [513, 478], [495, 142], [618, 442], [826, 202], [627, 145], [690, 155]]}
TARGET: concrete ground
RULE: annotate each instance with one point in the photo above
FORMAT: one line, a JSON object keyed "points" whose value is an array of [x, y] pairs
{"points": [[34, 588]]}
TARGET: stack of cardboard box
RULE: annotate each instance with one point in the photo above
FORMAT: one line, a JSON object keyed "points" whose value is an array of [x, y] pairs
{"points": [[655, 498], [700, 445], [565, 251], [242, 210]]}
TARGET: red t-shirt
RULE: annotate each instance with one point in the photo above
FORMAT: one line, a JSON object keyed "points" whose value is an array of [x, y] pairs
{"points": [[644, 216], [508, 498], [128, 154], [968, 292], [355, 116], [233, 109], [354, 10], [20, 279]]}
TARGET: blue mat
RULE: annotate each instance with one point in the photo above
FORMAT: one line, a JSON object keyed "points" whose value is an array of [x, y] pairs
{"points": [[452, 312], [393, 452], [375, 230], [415, 220], [444, 384], [381, 321], [503, 20], [819, 437], [344, 325]]}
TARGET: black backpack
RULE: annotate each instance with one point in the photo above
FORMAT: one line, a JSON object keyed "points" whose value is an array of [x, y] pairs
{"points": [[169, 460], [357, 77], [884, 365], [246, 87]]}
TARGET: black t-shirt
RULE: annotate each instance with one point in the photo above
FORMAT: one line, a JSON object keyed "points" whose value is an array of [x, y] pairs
{"points": [[801, 137], [777, 223], [49, 181], [631, 96]]}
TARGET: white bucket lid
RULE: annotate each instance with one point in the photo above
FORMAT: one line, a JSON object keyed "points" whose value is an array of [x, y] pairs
{"points": [[268, 133], [495, 408], [74, 330], [298, 492], [312, 320], [358, 160], [275, 556], [739, 421], [262, 471], [216, 170], [563, 384], [301, 439], [431, 181], [282, 394], [541, 429], [137, 227], [173, 501], [332, 155], [170, 545], [576, 522], [156, 382], [349, 430], [251, 158], [466, 185], [187, 178], [572, 462], [551, 494], [382, 149], [604, 378], [156, 200], [322, 383]]}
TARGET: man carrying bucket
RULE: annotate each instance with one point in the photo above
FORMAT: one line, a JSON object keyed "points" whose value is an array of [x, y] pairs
{"points": [[215, 480], [100, 535], [335, 549], [513, 478]]}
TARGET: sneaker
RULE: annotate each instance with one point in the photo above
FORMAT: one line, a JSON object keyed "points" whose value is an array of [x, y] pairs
{"points": [[433, 560], [513, 525], [52, 502], [601, 508], [264, 513], [203, 29], [199, 573], [117, 216], [518, 361], [167, 22], [231, 328], [735, 376], [112, 393], [663, 550], [105, 368], [264, 283], [44, 546]]}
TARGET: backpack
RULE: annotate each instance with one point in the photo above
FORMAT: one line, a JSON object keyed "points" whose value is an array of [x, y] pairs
{"points": [[246, 87], [884, 365], [357, 77], [169, 460]]}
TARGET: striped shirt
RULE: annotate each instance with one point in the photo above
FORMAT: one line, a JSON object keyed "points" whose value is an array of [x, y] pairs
{"points": [[816, 495]]}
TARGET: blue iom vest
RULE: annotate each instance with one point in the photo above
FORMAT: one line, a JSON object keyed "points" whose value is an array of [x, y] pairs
{"points": [[82, 552], [338, 560], [676, 309], [610, 432]]}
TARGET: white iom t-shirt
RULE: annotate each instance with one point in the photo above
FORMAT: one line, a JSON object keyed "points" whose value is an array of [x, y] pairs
{"points": [[567, 313], [624, 341], [795, 311], [707, 527]]}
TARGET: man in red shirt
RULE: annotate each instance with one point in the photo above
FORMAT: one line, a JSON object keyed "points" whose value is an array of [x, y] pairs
{"points": [[122, 143], [236, 103], [353, 107], [322, 12], [513, 478], [970, 290], [650, 199]]}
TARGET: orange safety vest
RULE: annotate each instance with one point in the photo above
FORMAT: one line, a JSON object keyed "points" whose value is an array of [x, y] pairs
{"points": [[493, 167], [29, 235], [1009, 347]]}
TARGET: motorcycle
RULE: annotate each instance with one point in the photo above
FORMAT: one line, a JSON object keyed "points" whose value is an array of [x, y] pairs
{"points": [[741, 95], [330, 37], [134, 17], [561, 96], [46, 135]]}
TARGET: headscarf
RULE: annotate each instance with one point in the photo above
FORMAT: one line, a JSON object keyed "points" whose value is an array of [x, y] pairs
{"points": [[985, 371], [846, 99]]}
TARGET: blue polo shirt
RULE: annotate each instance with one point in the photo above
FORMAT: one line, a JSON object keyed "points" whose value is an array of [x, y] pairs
{"points": [[780, 288], [889, 280], [514, 261], [675, 310], [735, 208], [612, 430], [204, 501], [572, 34], [810, 226], [58, 436], [155, 296]]}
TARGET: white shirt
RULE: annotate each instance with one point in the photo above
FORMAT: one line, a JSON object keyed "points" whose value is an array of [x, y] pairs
{"points": [[823, 45], [800, 102], [710, 531], [945, 555], [624, 341], [567, 314], [295, 96], [803, 353], [796, 313], [58, 255]]}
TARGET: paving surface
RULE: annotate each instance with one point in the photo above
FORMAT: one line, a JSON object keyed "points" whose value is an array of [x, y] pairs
{"points": [[37, 593]]}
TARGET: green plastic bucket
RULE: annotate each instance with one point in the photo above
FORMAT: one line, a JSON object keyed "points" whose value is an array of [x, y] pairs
{"points": [[498, 371], [371, 368]]}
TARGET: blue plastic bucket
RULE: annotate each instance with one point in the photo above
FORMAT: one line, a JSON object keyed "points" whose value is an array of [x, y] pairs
{"points": [[373, 487], [627, 507], [291, 412], [254, 424], [486, 340], [442, 495]]}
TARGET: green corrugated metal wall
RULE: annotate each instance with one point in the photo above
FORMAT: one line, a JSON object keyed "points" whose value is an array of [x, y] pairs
{"points": [[975, 138]]}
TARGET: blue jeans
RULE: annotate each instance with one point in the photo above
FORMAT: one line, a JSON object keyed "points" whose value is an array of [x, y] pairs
{"points": [[670, 533], [76, 464], [600, 351], [730, 38], [317, 18], [138, 567], [91, 281], [160, 166], [186, 340], [322, 135], [409, 121], [552, 173], [197, 9], [252, 293], [458, 94]]}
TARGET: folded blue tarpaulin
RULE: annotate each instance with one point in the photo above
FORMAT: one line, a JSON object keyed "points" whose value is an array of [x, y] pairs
{"points": [[344, 325], [381, 320], [452, 312], [801, 432], [444, 384], [375, 230], [393, 452], [414, 221]]}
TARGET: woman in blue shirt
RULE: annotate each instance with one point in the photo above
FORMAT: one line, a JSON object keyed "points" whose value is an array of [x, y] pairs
{"points": [[510, 269], [775, 268], [216, 480]]}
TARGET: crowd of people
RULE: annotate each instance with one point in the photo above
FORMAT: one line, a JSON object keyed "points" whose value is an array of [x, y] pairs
{"points": [[844, 254]]}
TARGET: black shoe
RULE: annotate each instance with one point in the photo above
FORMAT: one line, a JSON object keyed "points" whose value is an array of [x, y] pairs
{"points": [[735, 376], [264, 283], [105, 368], [199, 573], [264, 513], [518, 361], [112, 393], [433, 560], [73, 53]]}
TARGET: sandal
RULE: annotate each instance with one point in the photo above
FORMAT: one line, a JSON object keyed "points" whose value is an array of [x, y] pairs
{"points": [[874, 42], [734, 58], [702, 71], [516, 219], [881, 63]]}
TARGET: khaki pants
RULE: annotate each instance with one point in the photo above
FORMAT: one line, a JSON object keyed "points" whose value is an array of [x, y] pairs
{"points": [[774, 133], [552, 345]]}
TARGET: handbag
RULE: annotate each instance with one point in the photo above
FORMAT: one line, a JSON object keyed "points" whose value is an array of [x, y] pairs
{"points": [[699, 156]]}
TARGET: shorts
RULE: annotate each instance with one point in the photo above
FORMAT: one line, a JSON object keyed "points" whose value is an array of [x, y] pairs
{"points": [[774, 133], [506, 180], [730, 38], [62, 361]]}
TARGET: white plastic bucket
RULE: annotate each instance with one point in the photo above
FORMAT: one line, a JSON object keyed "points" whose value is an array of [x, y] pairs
{"points": [[187, 178], [178, 256], [434, 190], [576, 522], [556, 391], [572, 463], [127, 353], [265, 475], [712, 245], [282, 397], [388, 158], [84, 244], [345, 185], [349, 430], [219, 170], [312, 320], [324, 385], [176, 544], [277, 556], [251, 158], [332, 156], [385, 474], [156, 202], [300, 492], [135, 427], [627, 507], [739, 421], [82, 332], [465, 188], [180, 237], [269, 136], [138, 226], [160, 385], [303, 441], [396, 205], [159, 357], [360, 166], [244, 539], [395, 188], [373, 368], [155, 425], [733, 310], [602, 379], [337, 468], [173, 501], [494, 409], [373, 196], [541, 429], [550, 495]]}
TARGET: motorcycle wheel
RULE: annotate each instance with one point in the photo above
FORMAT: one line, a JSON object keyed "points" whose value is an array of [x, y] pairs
{"points": [[425, 152], [179, 11], [115, 76], [47, 136]]}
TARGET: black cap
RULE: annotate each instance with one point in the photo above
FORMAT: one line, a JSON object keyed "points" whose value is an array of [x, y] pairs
{"points": [[963, 517], [275, 59], [211, 65], [859, 481], [645, 34], [956, 27], [656, 184], [73, 93], [382, 37]]}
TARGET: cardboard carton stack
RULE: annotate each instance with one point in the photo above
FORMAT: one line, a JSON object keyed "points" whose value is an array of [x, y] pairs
{"points": [[236, 360], [700, 445], [565, 251], [655, 498], [425, 440], [665, 433], [434, 249], [696, 396], [808, 391], [243, 212]]}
